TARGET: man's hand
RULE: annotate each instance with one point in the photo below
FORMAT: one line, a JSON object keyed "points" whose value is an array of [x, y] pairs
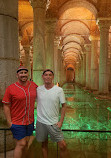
{"points": [[59, 124], [9, 124]]}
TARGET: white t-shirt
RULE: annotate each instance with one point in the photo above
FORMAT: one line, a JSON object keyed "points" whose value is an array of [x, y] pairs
{"points": [[48, 104]]}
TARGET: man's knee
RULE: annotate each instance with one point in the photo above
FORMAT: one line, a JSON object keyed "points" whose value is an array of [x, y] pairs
{"points": [[21, 144], [45, 144], [62, 145]]}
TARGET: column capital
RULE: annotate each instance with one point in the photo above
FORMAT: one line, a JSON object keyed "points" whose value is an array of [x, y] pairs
{"points": [[104, 23], [94, 38], [87, 47], [38, 3], [50, 24], [57, 42]]}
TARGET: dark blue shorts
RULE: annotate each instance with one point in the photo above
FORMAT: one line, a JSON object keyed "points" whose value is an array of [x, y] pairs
{"points": [[21, 131]]}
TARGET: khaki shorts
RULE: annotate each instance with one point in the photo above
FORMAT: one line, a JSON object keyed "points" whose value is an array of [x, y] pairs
{"points": [[43, 130]]}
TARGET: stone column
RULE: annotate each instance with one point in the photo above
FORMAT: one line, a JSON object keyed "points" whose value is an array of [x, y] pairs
{"points": [[22, 57], [81, 72], [88, 65], [109, 56], [9, 52], [77, 72], [31, 61], [27, 59], [50, 28], [62, 71], [94, 63], [103, 61], [59, 66], [56, 43], [39, 7], [84, 70], [21, 52]]}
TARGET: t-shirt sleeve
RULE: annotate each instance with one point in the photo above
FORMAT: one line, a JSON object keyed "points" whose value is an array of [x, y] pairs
{"points": [[7, 96], [62, 96]]}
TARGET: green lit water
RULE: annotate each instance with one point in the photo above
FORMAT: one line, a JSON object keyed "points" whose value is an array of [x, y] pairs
{"points": [[85, 111]]}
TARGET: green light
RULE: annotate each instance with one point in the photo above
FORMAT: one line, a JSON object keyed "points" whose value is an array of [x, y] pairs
{"points": [[109, 108], [85, 111]]}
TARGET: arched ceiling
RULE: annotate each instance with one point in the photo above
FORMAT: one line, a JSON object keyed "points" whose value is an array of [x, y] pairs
{"points": [[76, 25], [76, 22], [25, 12]]}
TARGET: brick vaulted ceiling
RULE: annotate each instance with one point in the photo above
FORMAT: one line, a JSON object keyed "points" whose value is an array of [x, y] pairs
{"points": [[76, 21]]}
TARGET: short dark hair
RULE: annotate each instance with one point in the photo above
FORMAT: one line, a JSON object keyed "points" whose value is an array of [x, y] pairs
{"points": [[48, 70]]}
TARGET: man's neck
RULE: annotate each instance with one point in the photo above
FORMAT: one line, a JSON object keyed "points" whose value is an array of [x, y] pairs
{"points": [[22, 83], [48, 86]]}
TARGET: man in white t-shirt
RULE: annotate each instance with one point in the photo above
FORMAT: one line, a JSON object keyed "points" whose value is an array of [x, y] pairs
{"points": [[49, 98]]}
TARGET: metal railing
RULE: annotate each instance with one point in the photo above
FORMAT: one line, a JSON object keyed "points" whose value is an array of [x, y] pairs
{"points": [[64, 130], [5, 140]]}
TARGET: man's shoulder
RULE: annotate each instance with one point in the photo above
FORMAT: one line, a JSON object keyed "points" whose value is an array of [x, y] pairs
{"points": [[12, 85], [59, 89], [41, 87], [33, 83]]}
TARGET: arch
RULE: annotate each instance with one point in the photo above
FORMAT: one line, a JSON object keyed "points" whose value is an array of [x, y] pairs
{"points": [[77, 38], [74, 21], [78, 3]]}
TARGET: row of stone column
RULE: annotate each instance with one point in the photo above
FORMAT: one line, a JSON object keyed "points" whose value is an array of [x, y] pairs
{"points": [[45, 53], [94, 72]]}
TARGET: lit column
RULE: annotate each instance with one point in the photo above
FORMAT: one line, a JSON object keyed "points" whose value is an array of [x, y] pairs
{"points": [[50, 28], [56, 43], [88, 65], [27, 59], [9, 52], [94, 63], [21, 52], [81, 72], [39, 8], [103, 61], [84, 69], [109, 56], [77, 72], [59, 66], [62, 71], [31, 61]]}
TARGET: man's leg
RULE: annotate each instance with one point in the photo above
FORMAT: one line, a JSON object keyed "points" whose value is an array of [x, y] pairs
{"points": [[63, 149], [45, 149], [21, 147]]}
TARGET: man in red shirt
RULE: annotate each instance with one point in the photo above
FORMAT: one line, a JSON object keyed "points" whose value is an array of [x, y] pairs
{"points": [[19, 102]]}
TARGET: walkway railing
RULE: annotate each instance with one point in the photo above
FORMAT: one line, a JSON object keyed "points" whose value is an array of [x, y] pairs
{"points": [[65, 130], [5, 140]]}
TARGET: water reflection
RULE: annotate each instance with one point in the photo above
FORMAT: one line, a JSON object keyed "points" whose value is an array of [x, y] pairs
{"points": [[85, 111]]}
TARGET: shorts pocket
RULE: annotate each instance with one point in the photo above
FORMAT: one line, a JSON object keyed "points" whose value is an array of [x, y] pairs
{"points": [[56, 127]]}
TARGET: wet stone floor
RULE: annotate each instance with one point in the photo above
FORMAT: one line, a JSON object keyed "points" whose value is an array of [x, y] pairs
{"points": [[86, 127]]}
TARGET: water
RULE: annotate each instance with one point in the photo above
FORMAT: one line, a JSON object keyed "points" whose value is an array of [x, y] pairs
{"points": [[85, 111]]}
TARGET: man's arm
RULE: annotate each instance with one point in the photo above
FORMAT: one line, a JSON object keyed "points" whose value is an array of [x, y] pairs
{"points": [[7, 113], [63, 110]]}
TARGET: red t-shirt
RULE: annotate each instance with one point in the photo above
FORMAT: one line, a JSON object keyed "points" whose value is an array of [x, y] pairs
{"points": [[21, 99]]}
